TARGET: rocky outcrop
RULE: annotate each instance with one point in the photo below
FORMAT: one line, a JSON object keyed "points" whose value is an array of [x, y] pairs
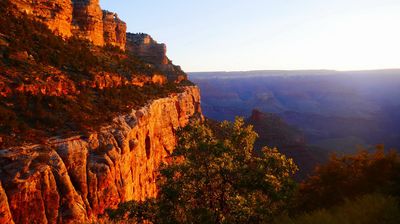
{"points": [[144, 46], [114, 30], [147, 48], [79, 18], [56, 14], [74, 180], [54, 82], [88, 21], [5, 213]]}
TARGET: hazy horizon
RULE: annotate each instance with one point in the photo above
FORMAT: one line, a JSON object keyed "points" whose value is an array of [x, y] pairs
{"points": [[264, 34], [296, 70]]}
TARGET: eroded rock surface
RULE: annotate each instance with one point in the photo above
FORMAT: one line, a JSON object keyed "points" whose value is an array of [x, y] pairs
{"points": [[144, 46], [114, 30], [74, 180], [79, 18], [56, 14]]}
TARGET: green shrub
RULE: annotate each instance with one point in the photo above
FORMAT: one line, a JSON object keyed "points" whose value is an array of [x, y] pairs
{"points": [[214, 179], [368, 209]]}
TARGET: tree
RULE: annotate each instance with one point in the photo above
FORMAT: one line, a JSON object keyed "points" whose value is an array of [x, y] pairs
{"points": [[350, 176], [217, 178]]}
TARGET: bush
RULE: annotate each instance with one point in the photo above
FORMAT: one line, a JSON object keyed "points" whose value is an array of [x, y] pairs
{"points": [[350, 176], [367, 209]]}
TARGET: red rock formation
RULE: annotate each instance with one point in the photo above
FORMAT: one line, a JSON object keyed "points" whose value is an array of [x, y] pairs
{"points": [[146, 47], [74, 180], [80, 18], [56, 14], [57, 83], [114, 30], [88, 19], [5, 214]]}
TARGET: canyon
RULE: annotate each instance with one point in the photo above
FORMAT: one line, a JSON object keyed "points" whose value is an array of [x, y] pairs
{"points": [[70, 180], [336, 110], [75, 177]]}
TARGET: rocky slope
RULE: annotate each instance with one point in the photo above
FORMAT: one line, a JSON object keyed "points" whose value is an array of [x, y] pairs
{"points": [[79, 18], [74, 180]]}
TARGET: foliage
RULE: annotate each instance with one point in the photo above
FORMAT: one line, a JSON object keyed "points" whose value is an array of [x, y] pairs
{"points": [[350, 176], [367, 209], [218, 179], [32, 118]]}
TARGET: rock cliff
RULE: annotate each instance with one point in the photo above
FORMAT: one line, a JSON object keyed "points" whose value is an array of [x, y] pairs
{"points": [[74, 180], [79, 18], [88, 21], [144, 46], [147, 48], [114, 30], [56, 14]]}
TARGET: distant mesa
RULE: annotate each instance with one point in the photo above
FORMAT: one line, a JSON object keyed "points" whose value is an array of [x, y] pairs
{"points": [[274, 132]]}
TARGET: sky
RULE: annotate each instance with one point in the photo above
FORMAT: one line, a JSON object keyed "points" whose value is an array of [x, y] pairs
{"points": [[240, 35]]}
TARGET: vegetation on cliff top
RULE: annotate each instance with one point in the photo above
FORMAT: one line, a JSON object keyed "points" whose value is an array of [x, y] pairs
{"points": [[92, 84]]}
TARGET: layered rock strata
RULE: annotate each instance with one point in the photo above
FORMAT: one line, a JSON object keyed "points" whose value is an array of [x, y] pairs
{"points": [[79, 18], [56, 14], [88, 21], [147, 48], [144, 46], [114, 30], [74, 180]]}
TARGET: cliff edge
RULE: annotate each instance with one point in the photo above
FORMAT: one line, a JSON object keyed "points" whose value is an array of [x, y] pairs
{"points": [[74, 180], [64, 72]]}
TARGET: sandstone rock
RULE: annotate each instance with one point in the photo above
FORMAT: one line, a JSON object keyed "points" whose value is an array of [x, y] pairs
{"points": [[74, 180], [79, 18], [88, 19], [144, 46], [5, 214], [114, 30], [56, 14]]}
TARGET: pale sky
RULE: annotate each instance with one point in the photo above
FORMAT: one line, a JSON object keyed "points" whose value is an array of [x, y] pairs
{"points": [[237, 35]]}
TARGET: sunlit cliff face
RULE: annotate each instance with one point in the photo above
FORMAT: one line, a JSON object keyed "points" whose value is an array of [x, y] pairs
{"points": [[79, 18], [76, 179]]}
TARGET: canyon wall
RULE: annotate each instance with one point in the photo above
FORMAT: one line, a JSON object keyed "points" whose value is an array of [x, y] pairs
{"points": [[88, 21], [79, 18], [56, 14], [114, 30], [147, 48], [144, 46], [74, 180]]}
